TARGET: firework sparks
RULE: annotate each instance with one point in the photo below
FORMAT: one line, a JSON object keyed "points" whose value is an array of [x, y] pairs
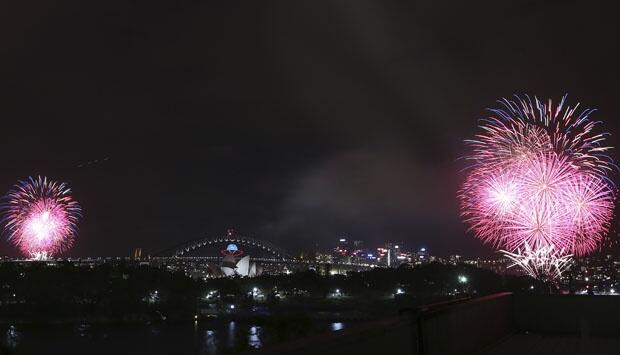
{"points": [[538, 186], [542, 263], [40, 217]]}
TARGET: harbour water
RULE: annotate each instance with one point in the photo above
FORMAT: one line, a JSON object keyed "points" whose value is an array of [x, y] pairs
{"points": [[215, 336]]}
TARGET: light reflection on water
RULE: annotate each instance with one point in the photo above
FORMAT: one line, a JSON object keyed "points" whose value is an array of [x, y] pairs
{"points": [[232, 334], [336, 326], [204, 338], [254, 340], [210, 343], [12, 337]]}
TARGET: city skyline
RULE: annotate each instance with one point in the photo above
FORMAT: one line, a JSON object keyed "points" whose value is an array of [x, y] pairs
{"points": [[277, 177], [296, 136]]}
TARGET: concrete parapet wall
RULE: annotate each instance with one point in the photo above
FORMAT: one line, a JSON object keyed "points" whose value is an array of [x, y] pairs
{"points": [[465, 327], [568, 314]]}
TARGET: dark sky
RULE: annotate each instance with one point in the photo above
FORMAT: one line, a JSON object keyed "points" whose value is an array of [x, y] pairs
{"points": [[294, 122]]}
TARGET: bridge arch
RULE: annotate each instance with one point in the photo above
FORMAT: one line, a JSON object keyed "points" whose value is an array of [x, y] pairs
{"points": [[236, 239]]}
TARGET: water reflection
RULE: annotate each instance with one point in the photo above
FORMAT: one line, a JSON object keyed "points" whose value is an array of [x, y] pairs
{"points": [[208, 337], [232, 334], [254, 340], [12, 337], [337, 326], [154, 330], [83, 329], [210, 346]]}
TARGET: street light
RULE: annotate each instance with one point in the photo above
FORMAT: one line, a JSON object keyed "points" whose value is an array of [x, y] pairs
{"points": [[462, 279]]}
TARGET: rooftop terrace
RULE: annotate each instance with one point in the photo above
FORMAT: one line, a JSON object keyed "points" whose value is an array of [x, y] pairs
{"points": [[503, 323]]}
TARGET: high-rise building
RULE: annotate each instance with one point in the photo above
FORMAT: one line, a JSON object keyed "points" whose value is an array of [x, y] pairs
{"points": [[137, 254], [342, 248], [455, 259], [422, 256]]}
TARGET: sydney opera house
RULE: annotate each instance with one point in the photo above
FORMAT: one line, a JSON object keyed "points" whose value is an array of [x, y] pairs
{"points": [[234, 264]]}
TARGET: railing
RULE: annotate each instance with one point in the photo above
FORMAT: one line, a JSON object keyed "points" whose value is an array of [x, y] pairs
{"points": [[466, 326], [452, 327], [573, 315], [463, 326], [389, 336]]}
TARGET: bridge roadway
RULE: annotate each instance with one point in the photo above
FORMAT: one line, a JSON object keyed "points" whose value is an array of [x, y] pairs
{"points": [[276, 254], [288, 261]]}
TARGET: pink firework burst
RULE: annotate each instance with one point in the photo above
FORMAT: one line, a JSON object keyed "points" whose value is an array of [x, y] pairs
{"points": [[539, 182], [41, 217]]}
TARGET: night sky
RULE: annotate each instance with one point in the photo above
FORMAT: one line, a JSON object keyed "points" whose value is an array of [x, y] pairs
{"points": [[293, 122]]}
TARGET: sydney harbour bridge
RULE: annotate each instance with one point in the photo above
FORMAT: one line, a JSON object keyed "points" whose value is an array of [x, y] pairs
{"points": [[266, 255]]}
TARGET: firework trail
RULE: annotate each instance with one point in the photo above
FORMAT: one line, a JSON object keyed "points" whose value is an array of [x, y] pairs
{"points": [[544, 263], [40, 217], [538, 185]]}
